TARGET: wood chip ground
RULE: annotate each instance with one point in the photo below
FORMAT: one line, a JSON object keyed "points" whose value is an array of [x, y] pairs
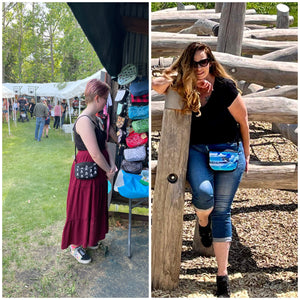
{"points": [[263, 258]]}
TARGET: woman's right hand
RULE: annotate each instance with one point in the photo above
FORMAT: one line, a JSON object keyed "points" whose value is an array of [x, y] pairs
{"points": [[161, 84], [111, 173]]}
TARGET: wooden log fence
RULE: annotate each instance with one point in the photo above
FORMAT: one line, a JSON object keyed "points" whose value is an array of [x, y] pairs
{"points": [[288, 54], [168, 173], [273, 34], [266, 175], [265, 73], [178, 20], [165, 44], [202, 27], [268, 109], [250, 11], [287, 91], [208, 27]]}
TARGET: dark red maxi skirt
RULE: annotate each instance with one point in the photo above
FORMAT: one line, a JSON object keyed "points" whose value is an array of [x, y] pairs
{"points": [[87, 211]]}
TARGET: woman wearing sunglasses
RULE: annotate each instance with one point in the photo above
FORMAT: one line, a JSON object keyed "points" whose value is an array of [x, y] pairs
{"points": [[219, 123]]}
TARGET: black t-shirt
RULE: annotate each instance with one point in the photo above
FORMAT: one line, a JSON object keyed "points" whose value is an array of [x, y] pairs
{"points": [[216, 124], [22, 103], [64, 105]]}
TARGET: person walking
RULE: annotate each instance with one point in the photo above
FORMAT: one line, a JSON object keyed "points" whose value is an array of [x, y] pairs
{"points": [[15, 109], [219, 123], [5, 110], [64, 105], [47, 120], [40, 112], [31, 106], [87, 210], [58, 110]]}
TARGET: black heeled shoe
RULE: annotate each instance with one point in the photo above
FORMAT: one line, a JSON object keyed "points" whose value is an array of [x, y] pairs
{"points": [[205, 234], [223, 290]]}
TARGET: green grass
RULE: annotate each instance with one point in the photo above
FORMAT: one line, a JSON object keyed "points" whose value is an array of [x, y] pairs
{"points": [[34, 179]]}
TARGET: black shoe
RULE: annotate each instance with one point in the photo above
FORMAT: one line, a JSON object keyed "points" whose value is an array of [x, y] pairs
{"points": [[223, 287], [205, 234]]}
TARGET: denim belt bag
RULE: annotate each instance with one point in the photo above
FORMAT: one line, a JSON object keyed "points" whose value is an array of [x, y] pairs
{"points": [[226, 160]]}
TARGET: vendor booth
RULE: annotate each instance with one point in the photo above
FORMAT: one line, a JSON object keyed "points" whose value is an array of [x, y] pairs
{"points": [[119, 34]]}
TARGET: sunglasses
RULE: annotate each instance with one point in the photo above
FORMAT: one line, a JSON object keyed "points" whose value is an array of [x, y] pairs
{"points": [[201, 63]]}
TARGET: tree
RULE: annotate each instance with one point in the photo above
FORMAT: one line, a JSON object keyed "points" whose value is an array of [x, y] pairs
{"points": [[43, 42]]}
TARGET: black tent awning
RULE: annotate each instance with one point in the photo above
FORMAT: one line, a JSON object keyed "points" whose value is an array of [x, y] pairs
{"points": [[107, 26]]}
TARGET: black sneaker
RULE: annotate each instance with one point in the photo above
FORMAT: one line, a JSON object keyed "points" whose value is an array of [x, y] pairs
{"points": [[205, 234], [223, 287], [80, 254]]}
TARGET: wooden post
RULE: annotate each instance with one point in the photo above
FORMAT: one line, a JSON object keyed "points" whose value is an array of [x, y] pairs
{"points": [[282, 16], [231, 29], [283, 22], [218, 7], [168, 200], [180, 6]]}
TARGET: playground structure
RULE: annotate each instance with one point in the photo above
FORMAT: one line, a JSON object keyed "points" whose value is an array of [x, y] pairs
{"points": [[270, 93]]}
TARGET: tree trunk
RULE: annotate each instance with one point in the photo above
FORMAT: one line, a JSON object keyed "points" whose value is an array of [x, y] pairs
{"points": [[51, 53], [20, 40]]}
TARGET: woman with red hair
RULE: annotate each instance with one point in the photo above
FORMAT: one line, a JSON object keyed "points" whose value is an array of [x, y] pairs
{"points": [[87, 210]]}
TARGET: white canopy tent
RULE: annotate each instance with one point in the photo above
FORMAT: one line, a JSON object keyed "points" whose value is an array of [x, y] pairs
{"points": [[70, 89], [67, 90], [7, 93]]}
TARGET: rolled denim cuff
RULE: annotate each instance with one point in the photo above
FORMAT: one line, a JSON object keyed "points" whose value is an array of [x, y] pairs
{"points": [[200, 209], [222, 240]]}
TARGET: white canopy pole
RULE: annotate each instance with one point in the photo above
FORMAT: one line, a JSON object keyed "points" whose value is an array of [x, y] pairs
{"points": [[8, 123], [70, 118], [14, 111]]}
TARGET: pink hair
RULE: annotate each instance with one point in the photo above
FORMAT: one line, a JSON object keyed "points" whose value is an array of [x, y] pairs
{"points": [[95, 87]]}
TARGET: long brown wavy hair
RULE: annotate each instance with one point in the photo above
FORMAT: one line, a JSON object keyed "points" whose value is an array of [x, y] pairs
{"points": [[184, 78]]}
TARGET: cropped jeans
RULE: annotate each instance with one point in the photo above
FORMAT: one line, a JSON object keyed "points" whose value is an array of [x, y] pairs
{"points": [[215, 188]]}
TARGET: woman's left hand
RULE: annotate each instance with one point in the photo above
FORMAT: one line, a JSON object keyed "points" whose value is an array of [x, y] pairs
{"points": [[110, 174]]}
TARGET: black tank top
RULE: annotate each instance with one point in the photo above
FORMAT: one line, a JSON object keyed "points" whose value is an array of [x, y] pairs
{"points": [[100, 135]]}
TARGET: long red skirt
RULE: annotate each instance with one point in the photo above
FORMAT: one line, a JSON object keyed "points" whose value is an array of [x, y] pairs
{"points": [[87, 211]]}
